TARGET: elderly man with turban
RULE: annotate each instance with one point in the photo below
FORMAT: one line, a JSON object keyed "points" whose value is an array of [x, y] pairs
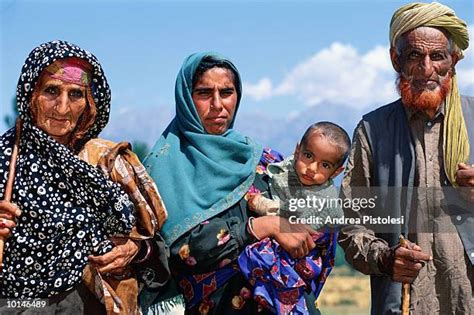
{"points": [[417, 152]]}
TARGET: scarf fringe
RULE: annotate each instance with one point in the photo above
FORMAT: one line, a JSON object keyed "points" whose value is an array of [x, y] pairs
{"points": [[165, 307]]}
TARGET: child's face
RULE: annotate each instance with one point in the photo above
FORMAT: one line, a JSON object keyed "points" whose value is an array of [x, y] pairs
{"points": [[318, 161]]}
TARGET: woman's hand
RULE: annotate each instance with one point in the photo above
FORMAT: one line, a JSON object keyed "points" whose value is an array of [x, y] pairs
{"points": [[294, 238], [118, 258], [8, 214]]}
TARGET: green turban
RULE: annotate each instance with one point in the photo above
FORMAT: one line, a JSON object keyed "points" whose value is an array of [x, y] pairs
{"points": [[411, 16], [434, 14]]}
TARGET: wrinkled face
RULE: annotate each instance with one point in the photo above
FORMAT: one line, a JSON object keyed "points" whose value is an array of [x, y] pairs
{"points": [[58, 107], [215, 98], [425, 64], [317, 161]]}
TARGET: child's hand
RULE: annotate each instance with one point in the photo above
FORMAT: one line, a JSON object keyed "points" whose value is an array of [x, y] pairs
{"points": [[262, 205], [253, 200]]}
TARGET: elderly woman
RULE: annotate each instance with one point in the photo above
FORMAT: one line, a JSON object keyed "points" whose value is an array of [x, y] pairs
{"points": [[204, 169], [64, 209]]}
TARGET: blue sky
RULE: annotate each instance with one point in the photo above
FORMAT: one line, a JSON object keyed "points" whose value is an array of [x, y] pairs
{"points": [[301, 61]]}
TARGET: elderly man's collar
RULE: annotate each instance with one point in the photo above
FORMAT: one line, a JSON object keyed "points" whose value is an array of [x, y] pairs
{"points": [[413, 113]]}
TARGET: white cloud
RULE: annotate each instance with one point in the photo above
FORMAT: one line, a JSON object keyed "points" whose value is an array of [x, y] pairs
{"points": [[338, 74], [259, 91], [465, 68], [465, 77]]}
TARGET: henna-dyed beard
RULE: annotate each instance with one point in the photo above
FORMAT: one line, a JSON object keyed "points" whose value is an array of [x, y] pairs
{"points": [[426, 99]]}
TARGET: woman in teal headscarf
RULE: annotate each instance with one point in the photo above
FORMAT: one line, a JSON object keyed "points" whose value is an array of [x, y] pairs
{"points": [[204, 168]]}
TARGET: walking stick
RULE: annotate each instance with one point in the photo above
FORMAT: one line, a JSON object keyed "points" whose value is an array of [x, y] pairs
{"points": [[405, 286], [11, 179]]}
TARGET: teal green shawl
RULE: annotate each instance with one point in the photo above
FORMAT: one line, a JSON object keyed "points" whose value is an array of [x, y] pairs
{"points": [[198, 174]]}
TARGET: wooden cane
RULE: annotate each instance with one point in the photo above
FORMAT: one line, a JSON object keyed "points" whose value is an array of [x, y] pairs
{"points": [[11, 179], [405, 286]]}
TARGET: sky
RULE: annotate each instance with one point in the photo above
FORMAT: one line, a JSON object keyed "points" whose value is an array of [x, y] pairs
{"points": [[300, 61]]}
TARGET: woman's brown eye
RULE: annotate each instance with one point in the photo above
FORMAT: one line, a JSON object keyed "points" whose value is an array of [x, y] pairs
{"points": [[51, 90], [202, 93], [76, 94], [226, 93]]}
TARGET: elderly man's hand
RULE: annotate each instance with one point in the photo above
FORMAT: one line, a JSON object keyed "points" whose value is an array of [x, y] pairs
{"points": [[118, 258], [403, 264], [8, 214], [465, 179]]}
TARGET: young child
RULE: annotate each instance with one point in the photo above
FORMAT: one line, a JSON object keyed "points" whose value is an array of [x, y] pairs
{"points": [[302, 186]]}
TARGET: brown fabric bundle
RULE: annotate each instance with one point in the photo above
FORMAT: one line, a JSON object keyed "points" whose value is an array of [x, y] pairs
{"points": [[121, 165]]}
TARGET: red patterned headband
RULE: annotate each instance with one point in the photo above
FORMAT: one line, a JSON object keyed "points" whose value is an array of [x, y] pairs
{"points": [[72, 70]]}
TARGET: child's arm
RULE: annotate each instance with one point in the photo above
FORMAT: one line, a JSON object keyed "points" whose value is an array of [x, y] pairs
{"points": [[262, 205]]}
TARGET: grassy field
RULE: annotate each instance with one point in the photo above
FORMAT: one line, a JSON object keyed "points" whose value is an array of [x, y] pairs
{"points": [[345, 292]]}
